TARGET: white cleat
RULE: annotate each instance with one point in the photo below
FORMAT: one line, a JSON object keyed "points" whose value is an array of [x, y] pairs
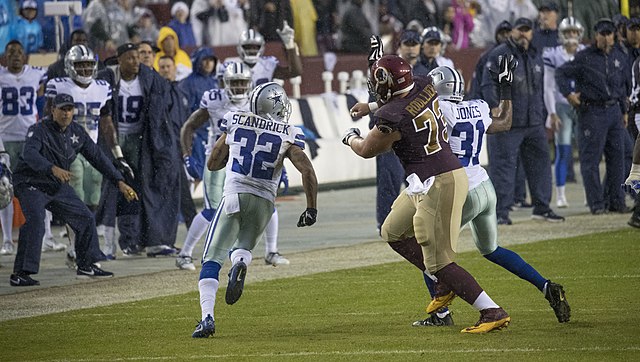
{"points": [[7, 248], [562, 203], [50, 244], [185, 263], [275, 259]]}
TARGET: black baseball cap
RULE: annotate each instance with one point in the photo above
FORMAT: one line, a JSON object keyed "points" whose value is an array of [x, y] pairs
{"points": [[432, 35], [504, 25], [154, 48], [549, 6], [523, 23], [63, 100], [633, 23], [125, 48], [410, 36], [604, 25]]}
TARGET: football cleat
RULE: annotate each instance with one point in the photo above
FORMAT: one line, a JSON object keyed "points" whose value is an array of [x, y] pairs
{"points": [[490, 319], [205, 328], [185, 263], [434, 321], [275, 259], [7, 248], [236, 282], [444, 296], [555, 295], [50, 244]]}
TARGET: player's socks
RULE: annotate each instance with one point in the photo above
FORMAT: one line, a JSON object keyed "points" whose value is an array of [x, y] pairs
{"points": [[516, 265], [198, 228], [47, 224], [460, 281], [428, 281], [563, 158], [410, 250], [271, 234], [208, 288], [484, 302], [243, 255], [6, 220]]}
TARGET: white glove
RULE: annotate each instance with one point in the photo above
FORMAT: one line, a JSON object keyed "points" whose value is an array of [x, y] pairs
{"points": [[350, 133], [376, 50], [506, 65], [633, 181], [287, 35]]}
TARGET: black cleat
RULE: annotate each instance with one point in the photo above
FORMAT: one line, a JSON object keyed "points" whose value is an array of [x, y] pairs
{"points": [[92, 272], [434, 321], [205, 328], [555, 295], [22, 279], [236, 282]]}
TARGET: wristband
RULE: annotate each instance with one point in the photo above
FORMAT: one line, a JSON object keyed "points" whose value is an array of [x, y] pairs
{"points": [[117, 152], [505, 92], [373, 106]]}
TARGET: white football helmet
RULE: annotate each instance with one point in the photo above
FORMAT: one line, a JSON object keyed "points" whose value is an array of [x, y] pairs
{"points": [[570, 23], [237, 81], [251, 46], [448, 83], [6, 186], [81, 64], [270, 101]]}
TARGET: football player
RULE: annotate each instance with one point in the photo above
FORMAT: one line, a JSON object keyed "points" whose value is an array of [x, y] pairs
{"points": [[21, 84], [409, 121], [561, 117], [467, 122], [215, 103], [252, 147], [265, 69]]}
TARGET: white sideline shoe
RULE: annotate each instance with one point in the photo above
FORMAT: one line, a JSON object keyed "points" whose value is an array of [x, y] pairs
{"points": [[275, 259]]}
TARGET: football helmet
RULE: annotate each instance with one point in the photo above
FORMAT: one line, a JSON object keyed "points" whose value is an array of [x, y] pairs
{"points": [[270, 101], [390, 76], [237, 81], [6, 186], [448, 83], [251, 46], [570, 23], [81, 64]]}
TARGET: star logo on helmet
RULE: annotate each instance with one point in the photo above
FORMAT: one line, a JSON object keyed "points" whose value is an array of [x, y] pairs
{"points": [[276, 98]]}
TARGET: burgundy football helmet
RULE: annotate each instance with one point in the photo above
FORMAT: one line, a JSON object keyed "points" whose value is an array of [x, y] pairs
{"points": [[390, 76]]}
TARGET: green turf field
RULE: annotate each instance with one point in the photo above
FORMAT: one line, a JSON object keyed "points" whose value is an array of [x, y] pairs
{"points": [[365, 314]]}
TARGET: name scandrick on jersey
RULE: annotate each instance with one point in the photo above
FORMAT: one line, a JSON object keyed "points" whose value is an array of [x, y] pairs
{"points": [[254, 121], [418, 104], [469, 112]]}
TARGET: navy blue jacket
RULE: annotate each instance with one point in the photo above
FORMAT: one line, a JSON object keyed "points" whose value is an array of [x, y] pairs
{"points": [[527, 99], [545, 38], [599, 77], [47, 145]]}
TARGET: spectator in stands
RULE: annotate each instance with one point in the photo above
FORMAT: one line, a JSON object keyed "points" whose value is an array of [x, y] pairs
{"points": [[494, 12], [527, 136], [355, 29], [217, 22], [326, 26], [588, 12], [148, 51], [202, 79], [27, 29], [426, 11], [146, 27], [461, 23], [266, 16], [181, 25], [7, 12], [106, 23], [304, 23], [169, 45], [546, 35], [431, 46]]}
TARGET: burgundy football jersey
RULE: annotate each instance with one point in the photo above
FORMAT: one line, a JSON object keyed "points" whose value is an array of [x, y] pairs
{"points": [[424, 147]]}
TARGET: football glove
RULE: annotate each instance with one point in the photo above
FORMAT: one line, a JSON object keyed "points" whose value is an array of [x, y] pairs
{"points": [[192, 169], [504, 75], [632, 184], [284, 181], [287, 35], [351, 132], [124, 168], [308, 217], [376, 51]]}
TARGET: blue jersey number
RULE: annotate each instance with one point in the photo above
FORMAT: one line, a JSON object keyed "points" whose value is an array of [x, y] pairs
{"points": [[472, 142], [254, 165], [130, 111], [10, 101]]}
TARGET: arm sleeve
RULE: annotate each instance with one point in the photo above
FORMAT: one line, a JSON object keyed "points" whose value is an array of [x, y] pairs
{"points": [[31, 153], [549, 88]]}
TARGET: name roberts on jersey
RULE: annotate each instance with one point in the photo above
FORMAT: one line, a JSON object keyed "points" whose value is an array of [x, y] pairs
{"points": [[254, 121]]}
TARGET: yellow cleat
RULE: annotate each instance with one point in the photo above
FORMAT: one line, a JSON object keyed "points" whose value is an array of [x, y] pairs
{"points": [[490, 319], [440, 302]]}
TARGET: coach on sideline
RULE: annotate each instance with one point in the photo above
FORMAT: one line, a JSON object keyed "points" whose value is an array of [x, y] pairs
{"points": [[42, 182]]}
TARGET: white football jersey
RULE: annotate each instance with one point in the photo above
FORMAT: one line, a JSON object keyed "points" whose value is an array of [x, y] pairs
{"points": [[554, 58], [130, 101], [18, 101], [217, 103], [257, 147], [261, 72], [89, 101], [467, 122]]}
